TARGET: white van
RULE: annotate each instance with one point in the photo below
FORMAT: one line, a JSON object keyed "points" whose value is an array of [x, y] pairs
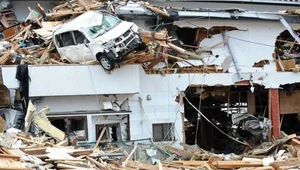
{"points": [[96, 34]]}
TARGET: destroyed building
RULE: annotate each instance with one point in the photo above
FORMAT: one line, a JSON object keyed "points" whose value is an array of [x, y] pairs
{"points": [[202, 69]]}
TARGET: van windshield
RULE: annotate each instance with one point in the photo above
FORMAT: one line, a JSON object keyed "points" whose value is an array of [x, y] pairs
{"points": [[108, 22]]}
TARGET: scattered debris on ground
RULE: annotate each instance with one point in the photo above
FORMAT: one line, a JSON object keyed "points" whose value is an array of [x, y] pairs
{"points": [[42, 146], [42, 151]]}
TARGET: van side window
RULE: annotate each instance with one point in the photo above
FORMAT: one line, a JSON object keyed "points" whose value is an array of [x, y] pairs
{"points": [[58, 40], [79, 37], [66, 39]]}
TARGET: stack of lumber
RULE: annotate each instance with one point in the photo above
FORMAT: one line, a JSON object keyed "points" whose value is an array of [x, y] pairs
{"points": [[20, 150]]}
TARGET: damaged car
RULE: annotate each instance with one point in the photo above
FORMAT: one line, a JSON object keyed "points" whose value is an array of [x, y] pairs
{"points": [[96, 35]]}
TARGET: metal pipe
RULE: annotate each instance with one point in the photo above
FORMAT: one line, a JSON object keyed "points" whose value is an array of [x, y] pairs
{"points": [[234, 58]]}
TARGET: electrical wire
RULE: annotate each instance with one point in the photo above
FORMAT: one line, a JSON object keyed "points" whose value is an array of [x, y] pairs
{"points": [[95, 91], [199, 112], [251, 42], [171, 23]]}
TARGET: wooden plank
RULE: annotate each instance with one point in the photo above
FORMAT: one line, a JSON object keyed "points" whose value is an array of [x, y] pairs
{"points": [[2, 124], [279, 164], [289, 64], [133, 164], [295, 142], [289, 103], [157, 10], [251, 107], [275, 112], [15, 152], [154, 35], [21, 32], [237, 164], [44, 56], [279, 65], [63, 159], [9, 156], [100, 137], [6, 56], [82, 3], [174, 47], [12, 168], [78, 164], [41, 10], [154, 62], [179, 151], [129, 156], [35, 151], [194, 148], [98, 164], [61, 14], [42, 122], [65, 166], [62, 143]]}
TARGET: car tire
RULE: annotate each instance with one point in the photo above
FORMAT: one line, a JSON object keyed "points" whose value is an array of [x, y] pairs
{"points": [[106, 63]]}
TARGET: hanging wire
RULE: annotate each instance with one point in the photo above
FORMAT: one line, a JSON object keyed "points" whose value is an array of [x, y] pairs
{"points": [[252, 42], [95, 92], [201, 89], [199, 112], [171, 23]]}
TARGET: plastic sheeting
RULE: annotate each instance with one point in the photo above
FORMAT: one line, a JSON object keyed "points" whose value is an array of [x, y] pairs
{"points": [[258, 127]]}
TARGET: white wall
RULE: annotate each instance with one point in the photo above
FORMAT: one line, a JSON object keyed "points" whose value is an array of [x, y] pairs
{"points": [[218, 5], [253, 42], [76, 80], [67, 104]]}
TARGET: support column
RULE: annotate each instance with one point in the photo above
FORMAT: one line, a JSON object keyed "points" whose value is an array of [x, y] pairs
{"points": [[91, 133], [274, 114]]}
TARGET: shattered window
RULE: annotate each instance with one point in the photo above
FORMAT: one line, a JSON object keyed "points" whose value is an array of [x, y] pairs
{"points": [[163, 132], [79, 37], [67, 39], [108, 22]]}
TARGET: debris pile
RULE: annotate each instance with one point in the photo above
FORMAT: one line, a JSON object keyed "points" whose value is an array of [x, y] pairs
{"points": [[42, 146], [33, 43], [21, 151], [287, 51]]}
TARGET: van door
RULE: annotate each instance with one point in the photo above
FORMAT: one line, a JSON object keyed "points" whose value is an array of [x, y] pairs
{"points": [[66, 46], [82, 51]]}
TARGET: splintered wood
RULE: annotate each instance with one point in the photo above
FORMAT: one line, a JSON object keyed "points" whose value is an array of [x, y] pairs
{"points": [[156, 52], [21, 151]]}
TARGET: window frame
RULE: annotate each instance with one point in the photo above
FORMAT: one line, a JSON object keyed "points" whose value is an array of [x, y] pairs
{"points": [[164, 138], [84, 118]]}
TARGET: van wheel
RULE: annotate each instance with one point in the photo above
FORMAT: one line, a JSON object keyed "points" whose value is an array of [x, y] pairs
{"points": [[106, 63]]}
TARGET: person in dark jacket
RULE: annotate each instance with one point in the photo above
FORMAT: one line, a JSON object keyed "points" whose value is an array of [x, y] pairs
{"points": [[233, 146]]}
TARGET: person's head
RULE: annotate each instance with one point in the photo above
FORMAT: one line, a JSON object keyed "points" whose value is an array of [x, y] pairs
{"points": [[233, 128]]}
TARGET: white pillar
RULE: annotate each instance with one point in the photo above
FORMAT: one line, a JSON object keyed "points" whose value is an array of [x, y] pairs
{"points": [[90, 128]]}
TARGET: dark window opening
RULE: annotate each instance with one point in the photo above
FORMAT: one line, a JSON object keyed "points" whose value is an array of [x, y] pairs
{"points": [[163, 132], [79, 37], [65, 39], [71, 125]]}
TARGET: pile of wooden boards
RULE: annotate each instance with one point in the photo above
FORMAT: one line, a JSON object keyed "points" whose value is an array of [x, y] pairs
{"points": [[278, 155], [21, 151]]}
